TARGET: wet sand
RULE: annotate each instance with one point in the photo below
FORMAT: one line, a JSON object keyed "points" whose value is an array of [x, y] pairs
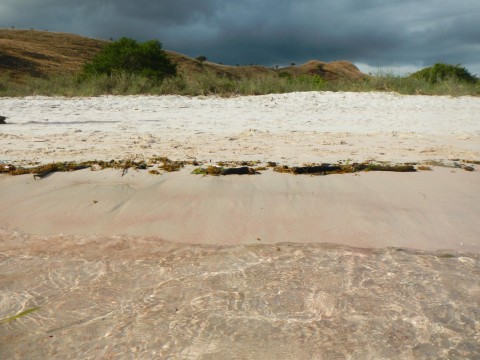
{"points": [[429, 210]]}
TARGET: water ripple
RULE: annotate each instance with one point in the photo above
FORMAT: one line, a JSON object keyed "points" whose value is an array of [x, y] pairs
{"points": [[133, 297]]}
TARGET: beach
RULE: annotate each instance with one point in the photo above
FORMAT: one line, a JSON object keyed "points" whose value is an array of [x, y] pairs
{"points": [[287, 128], [119, 263]]}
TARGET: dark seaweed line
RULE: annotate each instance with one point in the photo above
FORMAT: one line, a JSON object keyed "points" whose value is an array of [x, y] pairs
{"points": [[222, 168]]}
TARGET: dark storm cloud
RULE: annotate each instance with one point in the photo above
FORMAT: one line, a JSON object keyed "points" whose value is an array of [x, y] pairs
{"points": [[373, 32]]}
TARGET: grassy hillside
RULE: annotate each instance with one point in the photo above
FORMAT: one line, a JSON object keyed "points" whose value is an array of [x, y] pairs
{"points": [[43, 53], [47, 63]]}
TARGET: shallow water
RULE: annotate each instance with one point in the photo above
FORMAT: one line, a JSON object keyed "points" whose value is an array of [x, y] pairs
{"points": [[141, 298]]}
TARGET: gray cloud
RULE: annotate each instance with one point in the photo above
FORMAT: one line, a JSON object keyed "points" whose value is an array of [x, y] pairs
{"points": [[372, 32]]}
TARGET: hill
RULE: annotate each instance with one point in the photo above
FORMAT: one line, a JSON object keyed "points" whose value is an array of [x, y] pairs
{"points": [[42, 53]]}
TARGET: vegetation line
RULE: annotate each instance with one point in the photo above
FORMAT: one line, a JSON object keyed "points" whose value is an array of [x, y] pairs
{"points": [[125, 67], [208, 83]]}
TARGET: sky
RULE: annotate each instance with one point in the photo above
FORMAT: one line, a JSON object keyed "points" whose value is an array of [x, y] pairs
{"points": [[398, 36]]}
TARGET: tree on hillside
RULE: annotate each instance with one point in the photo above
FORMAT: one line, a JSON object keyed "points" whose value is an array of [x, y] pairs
{"points": [[201, 58], [440, 72], [147, 59]]}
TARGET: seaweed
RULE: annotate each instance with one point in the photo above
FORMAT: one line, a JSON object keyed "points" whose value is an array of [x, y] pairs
{"points": [[168, 165], [316, 169], [42, 171], [395, 168], [475, 162], [7, 168], [222, 168], [244, 170], [232, 164], [424, 168], [217, 171], [172, 166], [446, 256], [326, 169], [19, 315]]}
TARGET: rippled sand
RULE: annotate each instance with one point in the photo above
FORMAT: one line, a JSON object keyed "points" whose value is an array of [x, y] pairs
{"points": [[140, 298]]}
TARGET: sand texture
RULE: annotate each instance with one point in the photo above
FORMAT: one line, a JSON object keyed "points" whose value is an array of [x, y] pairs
{"points": [[430, 210], [113, 264], [123, 297], [290, 128]]}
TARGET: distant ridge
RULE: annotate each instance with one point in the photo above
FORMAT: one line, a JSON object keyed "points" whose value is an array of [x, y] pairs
{"points": [[43, 53]]}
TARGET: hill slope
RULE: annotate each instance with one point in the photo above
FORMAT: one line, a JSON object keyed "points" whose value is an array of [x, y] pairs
{"points": [[43, 53]]}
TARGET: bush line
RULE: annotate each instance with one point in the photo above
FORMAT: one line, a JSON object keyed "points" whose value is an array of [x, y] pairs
{"points": [[209, 83]]}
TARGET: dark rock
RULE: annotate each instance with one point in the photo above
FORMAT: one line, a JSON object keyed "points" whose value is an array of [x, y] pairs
{"points": [[2, 119]]}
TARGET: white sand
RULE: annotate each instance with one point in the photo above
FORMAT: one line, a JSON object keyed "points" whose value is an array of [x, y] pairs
{"points": [[289, 128]]}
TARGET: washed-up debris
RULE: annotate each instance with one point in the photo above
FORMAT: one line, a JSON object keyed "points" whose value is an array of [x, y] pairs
{"points": [[157, 164], [51, 168], [42, 171], [218, 170], [19, 315], [424, 168], [455, 164], [325, 169]]}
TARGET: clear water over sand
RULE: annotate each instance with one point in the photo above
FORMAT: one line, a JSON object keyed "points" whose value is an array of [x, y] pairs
{"points": [[140, 298]]}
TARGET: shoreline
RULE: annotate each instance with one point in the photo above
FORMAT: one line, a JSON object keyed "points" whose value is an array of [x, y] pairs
{"points": [[425, 210], [139, 261]]}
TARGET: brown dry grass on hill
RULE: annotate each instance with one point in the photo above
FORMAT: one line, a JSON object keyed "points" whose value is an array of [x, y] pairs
{"points": [[187, 65], [42, 54], [332, 71]]}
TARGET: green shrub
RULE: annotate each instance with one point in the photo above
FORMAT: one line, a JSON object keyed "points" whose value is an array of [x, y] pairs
{"points": [[441, 72], [127, 56]]}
